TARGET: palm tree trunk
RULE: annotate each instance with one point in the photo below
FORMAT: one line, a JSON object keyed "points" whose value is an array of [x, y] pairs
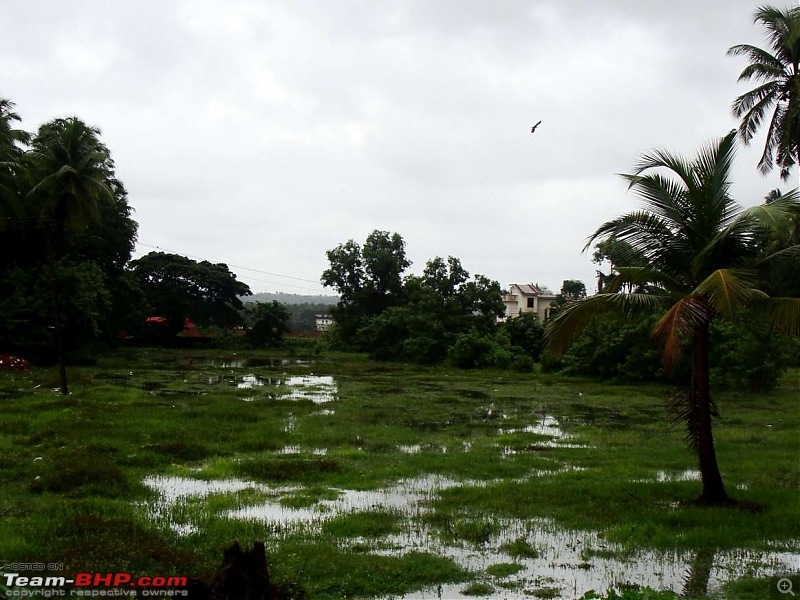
{"points": [[713, 488], [62, 365]]}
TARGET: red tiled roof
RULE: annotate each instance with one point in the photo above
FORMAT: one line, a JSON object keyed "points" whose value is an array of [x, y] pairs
{"points": [[529, 288]]}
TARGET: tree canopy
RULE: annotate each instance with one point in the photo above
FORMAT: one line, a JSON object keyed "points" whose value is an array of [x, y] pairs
{"points": [[178, 287], [418, 317], [67, 235], [368, 278]]}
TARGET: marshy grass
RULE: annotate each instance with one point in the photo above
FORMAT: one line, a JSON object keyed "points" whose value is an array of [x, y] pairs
{"points": [[508, 463]]}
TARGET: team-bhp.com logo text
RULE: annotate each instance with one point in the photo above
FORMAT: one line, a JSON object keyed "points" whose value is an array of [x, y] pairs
{"points": [[93, 584]]}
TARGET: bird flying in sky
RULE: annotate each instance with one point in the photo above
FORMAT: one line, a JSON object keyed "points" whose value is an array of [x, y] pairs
{"points": [[535, 126]]}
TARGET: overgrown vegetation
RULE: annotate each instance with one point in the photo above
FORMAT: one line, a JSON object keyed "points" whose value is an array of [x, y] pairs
{"points": [[76, 470]]}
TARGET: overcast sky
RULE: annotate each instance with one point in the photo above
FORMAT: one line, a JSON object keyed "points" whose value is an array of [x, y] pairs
{"points": [[263, 133]]}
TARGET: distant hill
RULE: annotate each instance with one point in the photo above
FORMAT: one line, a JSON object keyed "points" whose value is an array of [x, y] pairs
{"points": [[290, 298]]}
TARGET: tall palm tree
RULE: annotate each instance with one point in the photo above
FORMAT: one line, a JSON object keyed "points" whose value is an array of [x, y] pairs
{"points": [[702, 256], [777, 72], [11, 140], [71, 171]]}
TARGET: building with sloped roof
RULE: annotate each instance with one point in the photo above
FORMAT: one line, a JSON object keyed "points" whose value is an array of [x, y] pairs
{"points": [[527, 297]]}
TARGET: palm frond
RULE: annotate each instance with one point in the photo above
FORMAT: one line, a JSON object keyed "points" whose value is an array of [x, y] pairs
{"points": [[661, 196], [782, 313], [762, 96], [782, 25], [574, 317], [777, 69], [640, 276], [712, 169], [647, 233], [772, 143], [772, 216], [682, 410], [763, 65], [792, 253], [677, 325], [729, 290], [659, 158]]}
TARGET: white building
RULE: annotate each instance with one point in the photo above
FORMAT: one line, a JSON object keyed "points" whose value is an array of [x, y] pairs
{"points": [[526, 297], [324, 322]]}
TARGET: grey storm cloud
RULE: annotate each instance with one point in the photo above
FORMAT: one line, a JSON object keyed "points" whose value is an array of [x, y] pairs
{"points": [[262, 133]]}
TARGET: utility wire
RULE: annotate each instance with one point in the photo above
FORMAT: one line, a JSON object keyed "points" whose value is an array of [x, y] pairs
{"points": [[245, 269], [299, 287]]}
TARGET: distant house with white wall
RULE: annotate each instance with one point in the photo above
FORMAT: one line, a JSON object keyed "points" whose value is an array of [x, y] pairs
{"points": [[527, 297], [324, 322]]}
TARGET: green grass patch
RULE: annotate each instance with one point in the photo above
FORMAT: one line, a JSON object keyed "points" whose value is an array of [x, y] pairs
{"points": [[500, 570], [368, 524], [520, 548], [72, 469]]}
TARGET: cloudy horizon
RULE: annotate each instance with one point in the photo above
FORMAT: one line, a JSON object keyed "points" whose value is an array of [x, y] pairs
{"points": [[261, 134]]}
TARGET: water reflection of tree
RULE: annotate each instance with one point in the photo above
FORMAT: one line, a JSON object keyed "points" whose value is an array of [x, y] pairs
{"points": [[695, 582]]}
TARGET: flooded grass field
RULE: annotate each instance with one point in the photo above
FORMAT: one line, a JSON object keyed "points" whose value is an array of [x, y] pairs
{"points": [[390, 481]]}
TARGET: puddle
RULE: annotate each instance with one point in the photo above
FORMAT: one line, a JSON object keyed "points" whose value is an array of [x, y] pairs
{"points": [[410, 449], [569, 563], [250, 381], [317, 388], [406, 495], [300, 450], [172, 490], [548, 427], [232, 362], [673, 476], [417, 448], [568, 566], [669, 476], [290, 424]]}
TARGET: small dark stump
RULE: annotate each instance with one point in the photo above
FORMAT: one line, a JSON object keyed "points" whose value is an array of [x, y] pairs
{"points": [[243, 576]]}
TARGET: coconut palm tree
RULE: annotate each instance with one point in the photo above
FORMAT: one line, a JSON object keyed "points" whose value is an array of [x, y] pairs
{"points": [[777, 72], [71, 172], [703, 257], [11, 140]]}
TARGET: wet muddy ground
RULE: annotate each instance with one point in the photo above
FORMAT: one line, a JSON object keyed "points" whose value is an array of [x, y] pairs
{"points": [[380, 480], [514, 557]]}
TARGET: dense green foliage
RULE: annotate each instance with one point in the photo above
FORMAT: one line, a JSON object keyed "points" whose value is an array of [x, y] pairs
{"points": [[65, 237], [369, 280], [178, 287], [422, 318], [744, 354], [269, 322]]}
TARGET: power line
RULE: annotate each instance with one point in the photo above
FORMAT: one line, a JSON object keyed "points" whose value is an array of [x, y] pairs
{"points": [[298, 287], [230, 265]]}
